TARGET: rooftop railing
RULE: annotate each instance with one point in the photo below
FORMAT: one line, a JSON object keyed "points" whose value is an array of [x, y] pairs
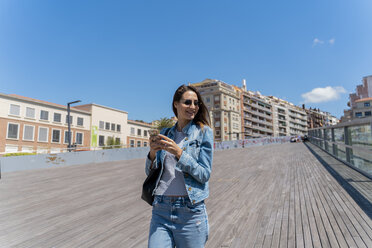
{"points": [[350, 142]]}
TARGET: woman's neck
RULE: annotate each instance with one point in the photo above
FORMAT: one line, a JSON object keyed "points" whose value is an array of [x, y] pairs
{"points": [[181, 124]]}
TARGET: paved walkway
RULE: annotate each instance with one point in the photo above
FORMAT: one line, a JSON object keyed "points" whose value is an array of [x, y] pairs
{"points": [[268, 196]]}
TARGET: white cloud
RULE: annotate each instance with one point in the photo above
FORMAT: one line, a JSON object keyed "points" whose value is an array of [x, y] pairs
{"points": [[326, 94], [316, 41], [332, 41]]}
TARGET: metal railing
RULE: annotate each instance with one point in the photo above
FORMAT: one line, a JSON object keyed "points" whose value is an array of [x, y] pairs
{"points": [[350, 142]]}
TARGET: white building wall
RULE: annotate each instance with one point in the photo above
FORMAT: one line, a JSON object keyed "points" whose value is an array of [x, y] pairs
{"points": [[111, 116]]}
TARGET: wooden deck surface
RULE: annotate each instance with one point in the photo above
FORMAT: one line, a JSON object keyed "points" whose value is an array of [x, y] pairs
{"points": [[268, 196]]}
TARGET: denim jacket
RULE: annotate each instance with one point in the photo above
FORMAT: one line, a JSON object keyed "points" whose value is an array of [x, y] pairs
{"points": [[195, 161]]}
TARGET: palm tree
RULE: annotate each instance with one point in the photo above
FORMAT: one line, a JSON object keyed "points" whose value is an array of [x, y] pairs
{"points": [[164, 123]]}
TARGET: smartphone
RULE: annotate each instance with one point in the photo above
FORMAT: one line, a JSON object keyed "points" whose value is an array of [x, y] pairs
{"points": [[153, 132]]}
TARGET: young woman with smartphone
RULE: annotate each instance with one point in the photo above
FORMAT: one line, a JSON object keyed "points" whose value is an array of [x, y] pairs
{"points": [[184, 152]]}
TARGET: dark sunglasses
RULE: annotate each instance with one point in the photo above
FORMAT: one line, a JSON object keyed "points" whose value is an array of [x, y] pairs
{"points": [[189, 102]]}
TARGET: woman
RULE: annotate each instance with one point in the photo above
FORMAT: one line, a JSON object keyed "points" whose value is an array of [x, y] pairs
{"points": [[184, 152]]}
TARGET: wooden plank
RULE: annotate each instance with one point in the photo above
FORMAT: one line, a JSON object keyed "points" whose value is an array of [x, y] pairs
{"points": [[286, 199]]}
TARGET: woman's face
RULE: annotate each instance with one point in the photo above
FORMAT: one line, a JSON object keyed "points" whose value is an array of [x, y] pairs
{"points": [[188, 106]]}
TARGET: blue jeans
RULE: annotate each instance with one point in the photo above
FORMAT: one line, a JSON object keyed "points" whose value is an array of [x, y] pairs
{"points": [[177, 223]]}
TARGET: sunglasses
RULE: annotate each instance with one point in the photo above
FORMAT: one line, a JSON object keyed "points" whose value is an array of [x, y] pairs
{"points": [[189, 102]]}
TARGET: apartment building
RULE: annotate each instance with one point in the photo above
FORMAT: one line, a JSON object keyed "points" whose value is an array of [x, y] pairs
{"points": [[317, 118], [106, 123], [362, 108], [138, 135], [31, 125], [280, 117], [223, 103], [357, 99], [257, 115], [288, 119], [297, 120], [362, 91]]}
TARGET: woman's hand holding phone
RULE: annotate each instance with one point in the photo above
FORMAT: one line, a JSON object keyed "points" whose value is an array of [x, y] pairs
{"points": [[155, 145]]}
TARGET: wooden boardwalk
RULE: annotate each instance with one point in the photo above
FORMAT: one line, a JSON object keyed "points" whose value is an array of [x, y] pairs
{"points": [[268, 196]]}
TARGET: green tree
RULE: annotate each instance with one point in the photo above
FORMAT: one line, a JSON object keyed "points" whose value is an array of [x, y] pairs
{"points": [[163, 123], [112, 142]]}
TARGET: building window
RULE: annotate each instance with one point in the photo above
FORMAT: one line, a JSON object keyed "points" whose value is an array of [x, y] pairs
{"points": [[112, 127], [15, 110], [101, 124], [107, 126], [101, 140], [13, 131], [28, 149], [67, 136], [44, 115], [43, 134], [367, 113], [217, 124], [56, 135], [139, 132], [145, 144], [117, 141], [71, 118], [367, 104], [132, 131], [208, 99], [80, 121], [28, 132], [118, 127], [358, 114], [79, 138], [57, 117], [139, 143], [30, 112], [131, 142], [145, 133], [11, 148]]}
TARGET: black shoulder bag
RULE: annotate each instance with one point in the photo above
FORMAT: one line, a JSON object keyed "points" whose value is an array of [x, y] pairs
{"points": [[150, 182]]}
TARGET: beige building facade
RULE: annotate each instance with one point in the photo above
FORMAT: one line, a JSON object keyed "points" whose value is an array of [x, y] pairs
{"points": [[138, 133], [106, 123], [223, 103], [30, 125], [362, 108]]}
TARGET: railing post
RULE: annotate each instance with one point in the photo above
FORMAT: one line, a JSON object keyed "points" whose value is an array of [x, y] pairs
{"points": [[325, 135], [349, 152], [334, 146]]}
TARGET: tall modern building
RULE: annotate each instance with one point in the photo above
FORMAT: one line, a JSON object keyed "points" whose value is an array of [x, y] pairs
{"points": [[223, 103]]}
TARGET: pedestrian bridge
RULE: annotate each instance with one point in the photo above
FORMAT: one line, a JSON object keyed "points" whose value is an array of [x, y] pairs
{"points": [[283, 195]]}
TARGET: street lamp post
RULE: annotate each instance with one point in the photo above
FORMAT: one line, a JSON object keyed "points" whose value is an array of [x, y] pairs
{"points": [[69, 124]]}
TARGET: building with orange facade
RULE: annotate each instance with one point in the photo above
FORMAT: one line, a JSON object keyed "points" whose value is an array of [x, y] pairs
{"points": [[31, 125]]}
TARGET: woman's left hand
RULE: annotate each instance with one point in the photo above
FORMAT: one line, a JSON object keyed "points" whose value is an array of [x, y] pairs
{"points": [[170, 146]]}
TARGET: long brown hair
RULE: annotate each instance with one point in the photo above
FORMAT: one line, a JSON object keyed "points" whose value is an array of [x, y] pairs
{"points": [[202, 116]]}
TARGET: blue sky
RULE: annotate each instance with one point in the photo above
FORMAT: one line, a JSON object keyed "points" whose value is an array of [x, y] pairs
{"points": [[132, 55]]}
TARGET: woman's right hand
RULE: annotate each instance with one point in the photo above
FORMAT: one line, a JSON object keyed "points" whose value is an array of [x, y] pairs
{"points": [[155, 146]]}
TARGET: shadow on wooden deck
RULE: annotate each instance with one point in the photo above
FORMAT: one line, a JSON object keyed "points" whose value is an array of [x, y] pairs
{"points": [[336, 168]]}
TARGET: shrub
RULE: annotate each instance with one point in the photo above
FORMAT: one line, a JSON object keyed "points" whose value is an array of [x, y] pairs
{"points": [[18, 154]]}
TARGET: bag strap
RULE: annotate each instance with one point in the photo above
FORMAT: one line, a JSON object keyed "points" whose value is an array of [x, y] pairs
{"points": [[166, 134]]}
